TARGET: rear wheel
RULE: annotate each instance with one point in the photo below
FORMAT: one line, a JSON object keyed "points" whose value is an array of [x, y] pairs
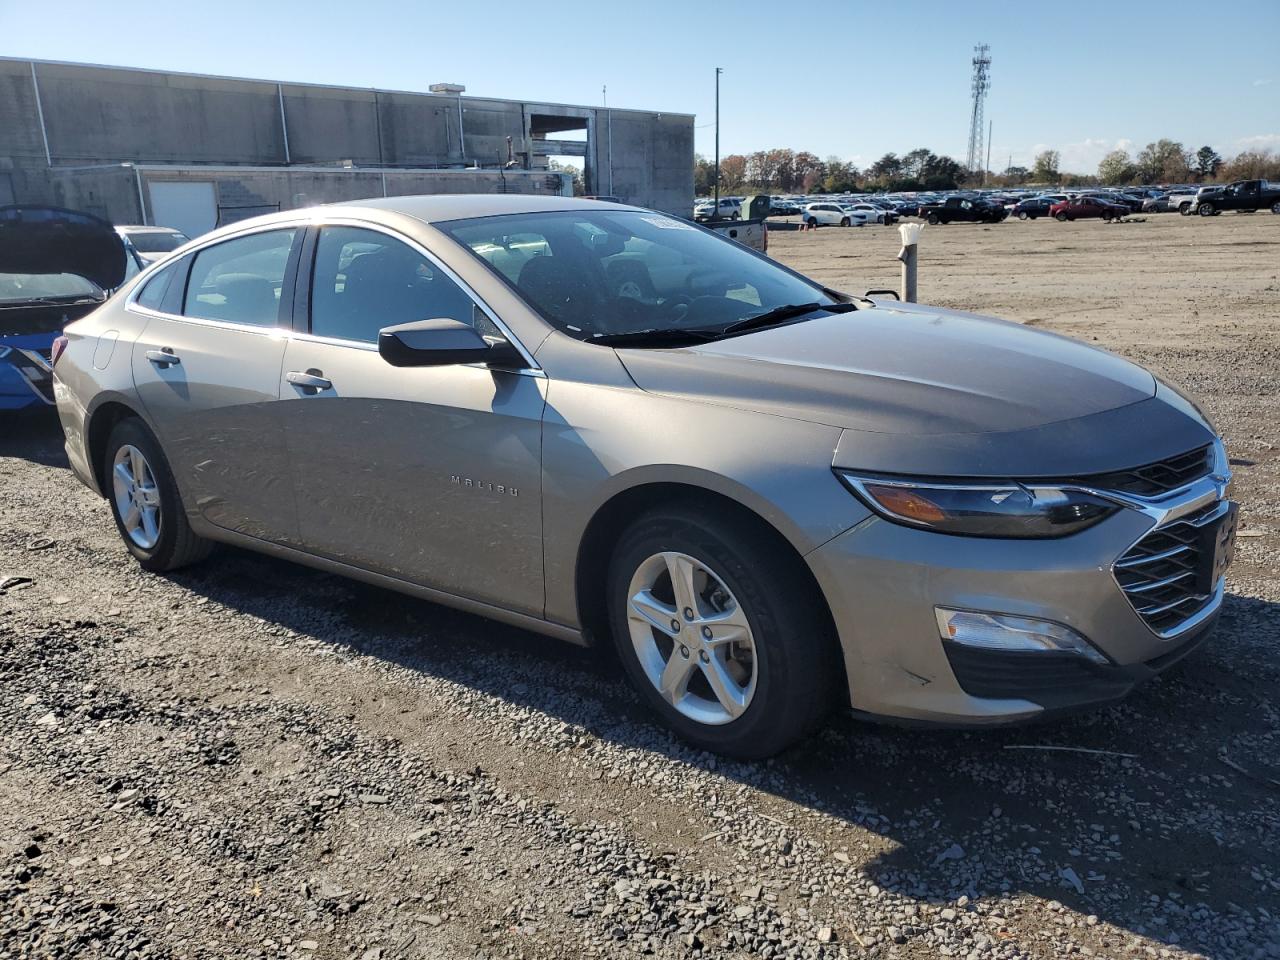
{"points": [[1275, 207], [145, 501], [812, 221], [719, 632], [1184, 209], [1023, 215], [933, 218]]}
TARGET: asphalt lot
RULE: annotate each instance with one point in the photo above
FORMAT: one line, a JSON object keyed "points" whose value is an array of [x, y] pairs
{"points": [[249, 758]]}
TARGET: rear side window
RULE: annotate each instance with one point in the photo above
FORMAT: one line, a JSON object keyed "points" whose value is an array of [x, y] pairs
{"points": [[365, 280], [153, 291], [240, 280]]}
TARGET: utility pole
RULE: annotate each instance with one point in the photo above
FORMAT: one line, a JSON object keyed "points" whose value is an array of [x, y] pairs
{"points": [[604, 92], [719, 70], [990, 124]]}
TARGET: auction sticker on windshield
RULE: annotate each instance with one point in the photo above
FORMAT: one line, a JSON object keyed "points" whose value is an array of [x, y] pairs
{"points": [[666, 223]]}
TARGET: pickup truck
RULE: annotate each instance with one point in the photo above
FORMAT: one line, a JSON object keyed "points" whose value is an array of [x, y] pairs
{"points": [[963, 210], [1244, 195]]}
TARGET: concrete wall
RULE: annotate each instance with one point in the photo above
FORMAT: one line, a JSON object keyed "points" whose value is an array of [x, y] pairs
{"points": [[105, 115]]}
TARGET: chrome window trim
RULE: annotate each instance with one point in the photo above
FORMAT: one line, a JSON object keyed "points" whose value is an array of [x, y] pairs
{"points": [[532, 369]]}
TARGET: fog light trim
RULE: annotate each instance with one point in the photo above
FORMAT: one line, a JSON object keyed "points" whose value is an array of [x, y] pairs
{"points": [[1009, 634]]}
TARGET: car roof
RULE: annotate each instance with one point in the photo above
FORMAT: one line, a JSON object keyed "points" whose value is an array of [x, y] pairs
{"points": [[435, 208], [459, 206], [140, 228]]}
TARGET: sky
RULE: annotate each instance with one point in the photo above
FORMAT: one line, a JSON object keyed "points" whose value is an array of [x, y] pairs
{"points": [[843, 77]]}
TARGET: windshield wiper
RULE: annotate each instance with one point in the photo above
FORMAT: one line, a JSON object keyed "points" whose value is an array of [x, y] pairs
{"points": [[674, 337], [782, 314]]}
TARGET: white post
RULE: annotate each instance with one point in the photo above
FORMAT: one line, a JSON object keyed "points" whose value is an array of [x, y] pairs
{"points": [[908, 255]]}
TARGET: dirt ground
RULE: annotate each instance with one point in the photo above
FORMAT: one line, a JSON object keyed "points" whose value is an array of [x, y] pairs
{"points": [[252, 759]]}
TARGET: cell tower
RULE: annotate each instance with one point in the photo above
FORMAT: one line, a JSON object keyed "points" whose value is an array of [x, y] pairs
{"points": [[981, 84]]}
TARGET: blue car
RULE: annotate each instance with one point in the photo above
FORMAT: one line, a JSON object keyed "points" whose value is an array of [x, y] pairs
{"points": [[55, 266]]}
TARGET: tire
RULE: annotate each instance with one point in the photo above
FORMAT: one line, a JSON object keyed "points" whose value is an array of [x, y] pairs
{"points": [[1206, 209], [812, 221], [933, 218], [1275, 207], [1023, 215], [844, 221], [168, 542], [1184, 209], [1108, 216], [795, 665], [1061, 217]]}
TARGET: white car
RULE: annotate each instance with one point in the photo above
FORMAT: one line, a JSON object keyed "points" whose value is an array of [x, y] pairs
{"points": [[837, 214], [874, 212], [728, 209]]}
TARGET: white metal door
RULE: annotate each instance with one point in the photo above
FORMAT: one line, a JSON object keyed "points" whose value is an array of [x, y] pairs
{"points": [[187, 205]]}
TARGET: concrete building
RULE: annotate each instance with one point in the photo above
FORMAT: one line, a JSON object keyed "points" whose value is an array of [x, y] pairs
{"points": [[194, 152]]}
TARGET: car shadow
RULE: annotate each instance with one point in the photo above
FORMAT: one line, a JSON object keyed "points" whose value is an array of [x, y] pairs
{"points": [[1157, 816], [34, 434], [1147, 827]]}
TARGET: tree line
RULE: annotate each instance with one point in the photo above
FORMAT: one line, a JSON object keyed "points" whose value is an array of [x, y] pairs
{"points": [[789, 171]]}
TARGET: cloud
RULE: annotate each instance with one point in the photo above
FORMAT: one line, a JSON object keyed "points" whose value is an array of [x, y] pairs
{"points": [[1082, 156], [1259, 141], [1262, 83]]}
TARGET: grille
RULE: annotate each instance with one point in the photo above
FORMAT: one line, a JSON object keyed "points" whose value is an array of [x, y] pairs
{"points": [[1156, 478], [1166, 575]]}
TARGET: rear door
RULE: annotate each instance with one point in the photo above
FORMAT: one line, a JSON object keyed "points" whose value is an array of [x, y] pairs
{"points": [[207, 369], [431, 475]]}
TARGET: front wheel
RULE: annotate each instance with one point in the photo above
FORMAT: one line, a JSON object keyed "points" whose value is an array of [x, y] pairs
{"points": [[1184, 209], [844, 221], [1206, 209], [720, 632], [1060, 217], [933, 218], [145, 501]]}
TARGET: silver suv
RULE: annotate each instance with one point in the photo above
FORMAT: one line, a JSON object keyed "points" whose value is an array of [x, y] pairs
{"points": [[609, 425]]}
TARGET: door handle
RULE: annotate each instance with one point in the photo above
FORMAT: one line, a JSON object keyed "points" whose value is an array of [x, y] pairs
{"points": [[310, 382], [164, 357]]}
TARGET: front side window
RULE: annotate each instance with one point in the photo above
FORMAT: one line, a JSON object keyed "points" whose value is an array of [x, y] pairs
{"points": [[240, 280], [365, 280], [591, 274]]}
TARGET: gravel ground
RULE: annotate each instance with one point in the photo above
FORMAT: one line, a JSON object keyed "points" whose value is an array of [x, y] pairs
{"points": [[251, 759]]}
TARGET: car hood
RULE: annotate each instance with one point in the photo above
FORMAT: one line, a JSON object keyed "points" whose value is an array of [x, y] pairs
{"points": [[908, 379], [49, 240]]}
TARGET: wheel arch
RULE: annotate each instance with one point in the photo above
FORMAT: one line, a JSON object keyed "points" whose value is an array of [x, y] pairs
{"points": [[612, 517], [101, 421]]}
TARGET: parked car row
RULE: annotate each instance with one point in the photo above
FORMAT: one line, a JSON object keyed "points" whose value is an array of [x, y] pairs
{"points": [[983, 205]]}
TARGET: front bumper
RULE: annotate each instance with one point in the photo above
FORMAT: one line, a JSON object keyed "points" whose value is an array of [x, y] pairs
{"points": [[883, 581]]}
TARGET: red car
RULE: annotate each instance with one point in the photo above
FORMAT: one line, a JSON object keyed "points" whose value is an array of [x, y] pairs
{"points": [[1082, 207]]}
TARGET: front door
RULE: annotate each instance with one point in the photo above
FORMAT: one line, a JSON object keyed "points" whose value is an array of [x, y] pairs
{"points": [[207, 369], [427, 474]]}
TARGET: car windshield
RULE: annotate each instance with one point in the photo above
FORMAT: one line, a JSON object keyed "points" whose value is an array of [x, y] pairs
{"points": [[46, 286], [157, 241], [593, 274]]}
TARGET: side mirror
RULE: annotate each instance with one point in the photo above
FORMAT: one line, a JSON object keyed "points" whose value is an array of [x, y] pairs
{"points": [[442, 342]]}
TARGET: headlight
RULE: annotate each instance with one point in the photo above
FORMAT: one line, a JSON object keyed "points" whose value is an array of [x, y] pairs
{"points": [[982, 510]]}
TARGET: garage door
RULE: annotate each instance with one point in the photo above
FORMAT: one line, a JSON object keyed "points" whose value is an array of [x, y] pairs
{"points": [[189, 206]]}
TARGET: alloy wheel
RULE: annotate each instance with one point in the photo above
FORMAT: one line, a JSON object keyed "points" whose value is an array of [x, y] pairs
{"points": [[692, 638], [137, 497]]}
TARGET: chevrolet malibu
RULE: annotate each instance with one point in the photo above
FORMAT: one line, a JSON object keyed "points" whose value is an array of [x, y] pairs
{"points": [[609, 425]]}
